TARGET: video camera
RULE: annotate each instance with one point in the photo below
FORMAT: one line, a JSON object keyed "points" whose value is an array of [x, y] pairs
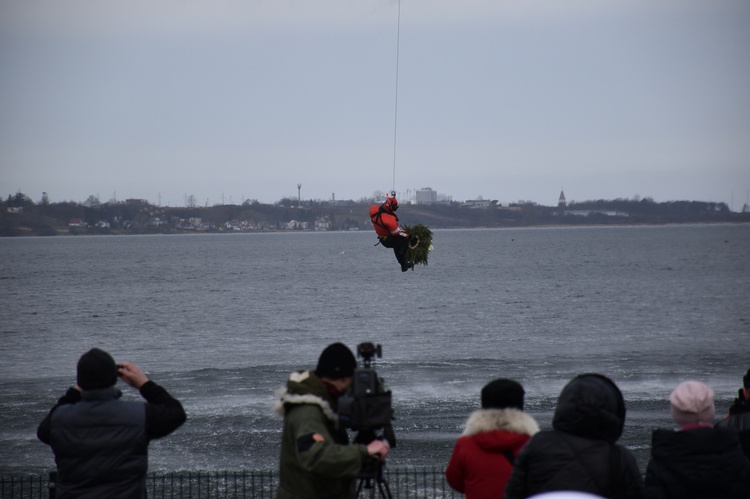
{"points": [[366, 408]]}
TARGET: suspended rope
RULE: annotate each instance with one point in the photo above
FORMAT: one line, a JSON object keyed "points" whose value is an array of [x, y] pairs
{"points": [[413, 244], [395, 111]]}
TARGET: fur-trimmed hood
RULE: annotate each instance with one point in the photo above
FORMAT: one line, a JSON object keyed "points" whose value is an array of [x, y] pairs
{"points": [[304, 387], [511, 420]]}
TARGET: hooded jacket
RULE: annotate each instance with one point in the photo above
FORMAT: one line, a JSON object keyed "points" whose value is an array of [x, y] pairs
{"points": [[699, 463], [480, 465], [316, 458], [580, 453]]}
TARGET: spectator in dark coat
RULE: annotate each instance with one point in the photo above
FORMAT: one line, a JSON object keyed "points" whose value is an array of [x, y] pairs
{"points": [[739, 415], [698, 460], [483, 457], [100, 441], [580, 452]]}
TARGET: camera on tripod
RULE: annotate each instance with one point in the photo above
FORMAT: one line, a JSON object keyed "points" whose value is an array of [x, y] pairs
{"points": [[367, 407]]}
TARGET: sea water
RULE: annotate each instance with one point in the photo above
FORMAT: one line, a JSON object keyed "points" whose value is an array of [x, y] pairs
{"points": [[220, 320]]}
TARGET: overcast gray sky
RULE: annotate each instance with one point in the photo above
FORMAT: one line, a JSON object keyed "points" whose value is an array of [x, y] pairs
{"points": [[504, 99]]}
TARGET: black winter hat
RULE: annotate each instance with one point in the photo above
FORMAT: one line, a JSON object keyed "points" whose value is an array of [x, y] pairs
{"points": [[336, 362], [502, 393], [96, 369]]}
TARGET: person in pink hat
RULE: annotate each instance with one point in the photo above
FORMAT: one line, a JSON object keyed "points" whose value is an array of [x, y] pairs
{"points": [[698, 460]]}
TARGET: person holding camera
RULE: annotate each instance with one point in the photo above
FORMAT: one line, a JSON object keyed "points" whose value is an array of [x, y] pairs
{"points": [[317, 459], [739, 415], [101, 442]]}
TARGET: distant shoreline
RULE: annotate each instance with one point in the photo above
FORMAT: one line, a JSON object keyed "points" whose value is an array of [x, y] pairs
{"points": [[25, 218], [66, 233]]}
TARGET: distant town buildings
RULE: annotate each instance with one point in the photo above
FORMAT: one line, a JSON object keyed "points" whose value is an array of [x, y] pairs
{"points": [[21, 216], [477, 203], [586, 213]]}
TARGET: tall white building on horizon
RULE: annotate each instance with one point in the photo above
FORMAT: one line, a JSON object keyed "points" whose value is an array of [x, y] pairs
{"points": [[426, 196]]}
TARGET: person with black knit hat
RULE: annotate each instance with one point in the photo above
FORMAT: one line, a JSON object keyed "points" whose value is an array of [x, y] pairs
{"points": [[317, 459], [483, 457], [101, 442], [738, 417]]}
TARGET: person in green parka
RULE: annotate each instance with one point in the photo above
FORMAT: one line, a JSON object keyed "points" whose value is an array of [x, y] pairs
{"points": [[317, 461]]}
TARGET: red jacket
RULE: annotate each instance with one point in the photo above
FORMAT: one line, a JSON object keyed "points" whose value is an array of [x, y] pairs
{"points": [[384, 221], [479, 466]]}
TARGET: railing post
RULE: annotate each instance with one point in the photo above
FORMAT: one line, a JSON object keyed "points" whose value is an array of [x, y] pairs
{"points": [[52, 484]]}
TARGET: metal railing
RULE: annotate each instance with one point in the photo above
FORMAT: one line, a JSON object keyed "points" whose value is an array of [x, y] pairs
{"points": [[25, 486], [402, 483]]}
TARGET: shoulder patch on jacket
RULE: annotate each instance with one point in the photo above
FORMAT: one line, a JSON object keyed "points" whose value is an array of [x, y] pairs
{"points": [[305, 442]]}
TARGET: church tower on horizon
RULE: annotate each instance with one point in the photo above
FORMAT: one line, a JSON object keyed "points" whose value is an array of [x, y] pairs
{"points": [[561, 202]]}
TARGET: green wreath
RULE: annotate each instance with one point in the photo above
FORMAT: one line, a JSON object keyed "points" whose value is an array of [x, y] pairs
{"points": [[419, 250]]}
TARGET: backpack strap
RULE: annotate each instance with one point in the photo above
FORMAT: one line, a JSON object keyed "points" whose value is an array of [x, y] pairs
{"points": [[377, 218]]}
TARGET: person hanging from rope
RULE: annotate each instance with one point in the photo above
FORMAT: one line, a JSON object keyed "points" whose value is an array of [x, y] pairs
{"points": [[389, 233]]}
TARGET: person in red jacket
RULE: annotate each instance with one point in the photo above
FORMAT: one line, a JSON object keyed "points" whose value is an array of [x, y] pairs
{"points": [[389, 233], [482, 460]]}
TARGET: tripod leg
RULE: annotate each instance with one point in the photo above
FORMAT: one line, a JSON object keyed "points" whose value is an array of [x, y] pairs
{"points": [[365, 483], [385, 491]]}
